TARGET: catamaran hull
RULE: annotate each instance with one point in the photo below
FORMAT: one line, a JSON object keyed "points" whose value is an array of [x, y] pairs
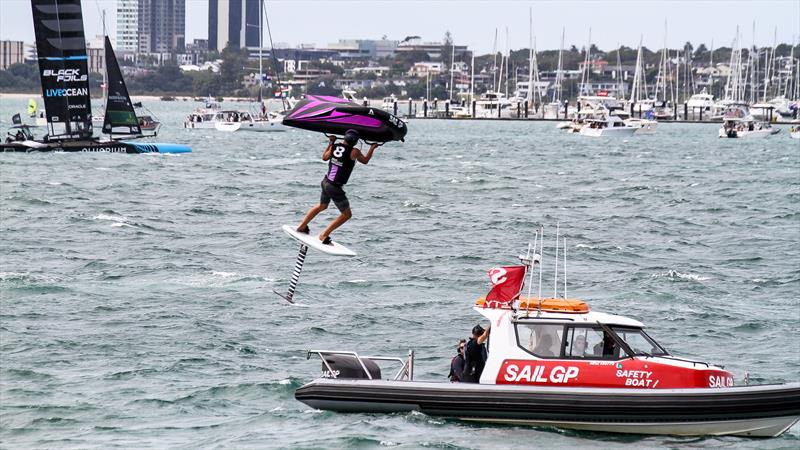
{"points": [[93, 147], [757, 411]]}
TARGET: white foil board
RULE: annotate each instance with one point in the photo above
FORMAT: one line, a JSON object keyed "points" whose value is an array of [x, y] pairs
{"points": [[312, 240]]}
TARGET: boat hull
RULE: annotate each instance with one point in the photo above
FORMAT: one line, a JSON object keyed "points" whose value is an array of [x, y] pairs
{"points": [[607, 132], [263, 126], [94, 147], [758, 411], [748, 134]]}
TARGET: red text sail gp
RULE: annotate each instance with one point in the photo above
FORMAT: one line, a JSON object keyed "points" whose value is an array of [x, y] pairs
{"points": [[629, 373]]}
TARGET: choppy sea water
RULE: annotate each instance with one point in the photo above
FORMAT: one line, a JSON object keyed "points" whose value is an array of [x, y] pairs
{"points": [[136, 304]]}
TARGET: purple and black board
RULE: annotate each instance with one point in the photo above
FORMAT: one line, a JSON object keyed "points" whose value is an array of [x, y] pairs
{"points": [[333, 115]]}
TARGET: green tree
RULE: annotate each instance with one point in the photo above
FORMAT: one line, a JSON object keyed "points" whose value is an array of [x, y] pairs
{"points": [[234, 60], [447, 50]]}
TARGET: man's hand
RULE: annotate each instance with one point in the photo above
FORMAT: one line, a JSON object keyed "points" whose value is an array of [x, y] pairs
{"points": [[332, 138]]}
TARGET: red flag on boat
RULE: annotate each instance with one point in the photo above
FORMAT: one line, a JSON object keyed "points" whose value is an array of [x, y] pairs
{"points": [[506, 284]]}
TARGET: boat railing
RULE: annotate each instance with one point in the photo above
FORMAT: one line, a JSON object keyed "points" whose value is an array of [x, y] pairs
{"points": [[406, 371]]}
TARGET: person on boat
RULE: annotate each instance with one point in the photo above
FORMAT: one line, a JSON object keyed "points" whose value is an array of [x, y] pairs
{"points": [[543, 346], [579, 347], [457, 363], [341, 157], [475, 355]]}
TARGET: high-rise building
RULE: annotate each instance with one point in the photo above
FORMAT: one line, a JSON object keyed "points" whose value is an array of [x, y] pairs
{"points": [[11, 52], [128, 25], [151, 26], [162, 25], [233, 22]]}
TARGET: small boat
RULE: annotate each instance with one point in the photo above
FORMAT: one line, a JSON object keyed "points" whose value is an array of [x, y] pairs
{"points": [[608, 126], [235, 120], [203, 117], [737, 122], [794, 132], [552, 362]]}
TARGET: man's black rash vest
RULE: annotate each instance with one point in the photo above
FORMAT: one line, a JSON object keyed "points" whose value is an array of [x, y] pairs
{"points": [[341, 164]]}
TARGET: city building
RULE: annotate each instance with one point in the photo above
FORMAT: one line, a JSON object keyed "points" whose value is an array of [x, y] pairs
{"points": [[128, 25], [11, 52], [424, 68], [363, 48], [97, 59], [162, 26], [432, 49], [233, 22], [151, 26]]}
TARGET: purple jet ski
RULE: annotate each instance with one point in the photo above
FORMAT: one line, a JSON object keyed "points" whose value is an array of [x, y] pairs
{"points": [[333, 115]]}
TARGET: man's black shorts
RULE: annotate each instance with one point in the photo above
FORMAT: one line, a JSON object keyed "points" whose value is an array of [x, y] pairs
{"points": [[333, 192]]}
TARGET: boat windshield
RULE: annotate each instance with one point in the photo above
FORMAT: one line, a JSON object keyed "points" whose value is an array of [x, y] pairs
{"points": [[639, 341]]}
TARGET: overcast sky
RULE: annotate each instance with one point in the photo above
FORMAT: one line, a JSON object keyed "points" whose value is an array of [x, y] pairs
{"points": [[474, 22]]}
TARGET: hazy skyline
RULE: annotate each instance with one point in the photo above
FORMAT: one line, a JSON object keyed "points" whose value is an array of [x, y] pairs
{"points": [[474, 22]]}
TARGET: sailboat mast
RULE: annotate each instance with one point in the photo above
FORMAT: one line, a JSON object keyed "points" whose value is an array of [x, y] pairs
{"points": [[452, 63], [585, 75], [472, 84], [619, 72], [508, 62], [494, 65], [260, 52], [558, 72], [530, 57], [105, 69]]}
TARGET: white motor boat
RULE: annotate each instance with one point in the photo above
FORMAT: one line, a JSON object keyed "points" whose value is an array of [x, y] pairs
{"points": [[737, 122], [493, 105], [608, 126], [231, 120], [203, 118], [643, 126], [701, 102]]}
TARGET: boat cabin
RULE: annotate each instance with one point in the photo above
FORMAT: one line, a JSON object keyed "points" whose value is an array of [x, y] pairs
{"points": [[560, 342]]}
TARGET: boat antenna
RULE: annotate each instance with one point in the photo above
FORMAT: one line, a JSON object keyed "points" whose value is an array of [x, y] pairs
{"points": [[555, 275], [541, 257], [531, 260], [565, 267]]}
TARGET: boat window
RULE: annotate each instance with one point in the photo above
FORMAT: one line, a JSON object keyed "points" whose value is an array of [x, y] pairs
{"points": [[591, 342], [543, 340], [581, 342], [639, 342]]}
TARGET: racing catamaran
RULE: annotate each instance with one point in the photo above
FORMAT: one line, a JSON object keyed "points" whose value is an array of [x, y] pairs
{"points": [[63, 69]]}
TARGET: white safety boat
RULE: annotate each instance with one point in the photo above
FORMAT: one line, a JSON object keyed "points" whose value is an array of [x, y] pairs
{"points": [[554, 363]]}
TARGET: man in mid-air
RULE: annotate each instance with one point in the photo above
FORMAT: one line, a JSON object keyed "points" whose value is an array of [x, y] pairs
{"points": [[341, 156]]}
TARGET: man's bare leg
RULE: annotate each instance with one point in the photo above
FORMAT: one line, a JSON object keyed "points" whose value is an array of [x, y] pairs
{"points": [[311, 214], [337, 222]]}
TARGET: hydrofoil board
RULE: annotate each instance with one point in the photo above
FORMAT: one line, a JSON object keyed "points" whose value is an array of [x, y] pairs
{"points": [[312, 240]]}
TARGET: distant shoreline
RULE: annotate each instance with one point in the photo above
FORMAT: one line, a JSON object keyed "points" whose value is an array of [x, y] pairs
{"points": [[181, 98]]}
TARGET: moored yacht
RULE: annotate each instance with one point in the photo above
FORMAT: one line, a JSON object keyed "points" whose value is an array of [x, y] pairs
{"points": [[492, 105]]}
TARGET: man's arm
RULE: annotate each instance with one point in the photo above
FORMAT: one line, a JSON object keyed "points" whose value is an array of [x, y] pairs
{"points": [[482, 338], [358, 156], [326, 155]]}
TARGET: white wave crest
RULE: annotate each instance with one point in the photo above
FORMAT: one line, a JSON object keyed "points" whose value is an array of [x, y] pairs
{"points": [[675, 275]]}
